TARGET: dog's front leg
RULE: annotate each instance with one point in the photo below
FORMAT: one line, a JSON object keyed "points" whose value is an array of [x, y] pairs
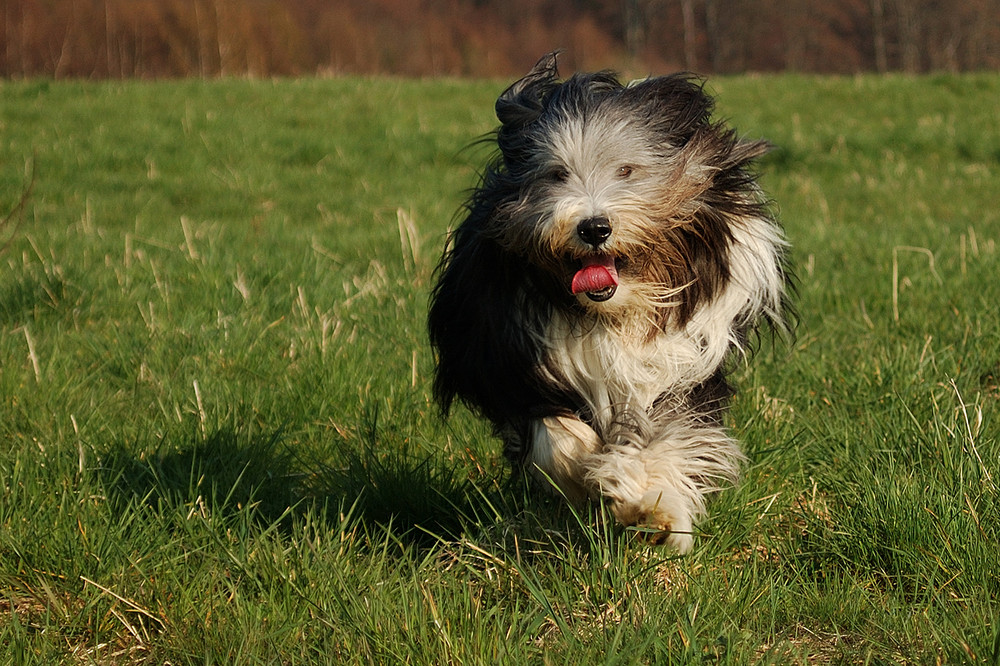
{"points": [[664, 505], [659, 479]]}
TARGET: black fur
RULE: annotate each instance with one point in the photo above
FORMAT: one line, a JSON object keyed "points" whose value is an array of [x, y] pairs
{"points": [[496, 293]]}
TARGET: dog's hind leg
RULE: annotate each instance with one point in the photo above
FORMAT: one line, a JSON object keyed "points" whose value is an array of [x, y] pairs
{"points": [[560, 445]]}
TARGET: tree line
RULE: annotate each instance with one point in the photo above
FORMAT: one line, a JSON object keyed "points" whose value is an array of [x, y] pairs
{"points": [[262, 38]]}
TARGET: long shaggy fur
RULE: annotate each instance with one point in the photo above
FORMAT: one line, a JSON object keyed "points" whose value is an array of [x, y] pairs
{"points": [[635, 199]]}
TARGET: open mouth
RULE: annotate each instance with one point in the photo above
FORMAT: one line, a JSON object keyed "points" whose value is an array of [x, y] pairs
{"points": [[602, 295], [597, 278]]}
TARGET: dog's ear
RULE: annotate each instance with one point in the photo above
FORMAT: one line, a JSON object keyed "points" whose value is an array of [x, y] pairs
{"points": [[678, 100], [680, 103], [524, 100]]}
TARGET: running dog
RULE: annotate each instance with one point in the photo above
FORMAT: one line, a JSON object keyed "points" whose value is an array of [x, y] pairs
{"points": [[615, 258]]}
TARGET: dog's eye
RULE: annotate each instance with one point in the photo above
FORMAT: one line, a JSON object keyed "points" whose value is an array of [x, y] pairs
{"points": [[624, 172], [558, 175]]}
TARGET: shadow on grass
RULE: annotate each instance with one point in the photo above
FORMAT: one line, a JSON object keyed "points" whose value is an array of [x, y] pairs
{"points": [[371, 476], [419, 500], [226, 472], [416, 499]]}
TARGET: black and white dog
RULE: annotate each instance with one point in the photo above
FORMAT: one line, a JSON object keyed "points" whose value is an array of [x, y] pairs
{"points": [[614, 257]]}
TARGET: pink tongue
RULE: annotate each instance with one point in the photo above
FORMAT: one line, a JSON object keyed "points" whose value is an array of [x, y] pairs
{"points": [[598, 273]]}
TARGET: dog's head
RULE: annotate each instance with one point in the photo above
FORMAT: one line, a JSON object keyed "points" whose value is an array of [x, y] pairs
{"points": [[624, 195]]}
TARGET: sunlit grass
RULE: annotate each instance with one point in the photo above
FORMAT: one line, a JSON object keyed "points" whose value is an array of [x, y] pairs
{"points": [[217, 443]]}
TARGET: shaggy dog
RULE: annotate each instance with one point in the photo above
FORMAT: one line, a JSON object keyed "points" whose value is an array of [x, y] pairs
{"points": [[615, 255]]}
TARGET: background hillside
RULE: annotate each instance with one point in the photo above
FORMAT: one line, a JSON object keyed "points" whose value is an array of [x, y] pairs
{"points": [[260, 38]]}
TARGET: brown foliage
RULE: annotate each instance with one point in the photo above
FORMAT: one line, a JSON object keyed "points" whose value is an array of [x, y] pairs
{"points": [[170, 38]]}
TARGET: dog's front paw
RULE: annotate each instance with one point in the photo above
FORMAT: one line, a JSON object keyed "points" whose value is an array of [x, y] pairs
{"points": [[661, 517]]}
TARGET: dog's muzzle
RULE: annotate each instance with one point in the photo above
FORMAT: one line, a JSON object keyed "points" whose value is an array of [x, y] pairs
{"points": [[598, 276]]}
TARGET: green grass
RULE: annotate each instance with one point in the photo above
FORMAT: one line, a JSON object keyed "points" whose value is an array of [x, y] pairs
{"points": [[217, 444]]}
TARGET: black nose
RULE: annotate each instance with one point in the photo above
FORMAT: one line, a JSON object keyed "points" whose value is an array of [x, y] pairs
{"points": [[594, 230]]}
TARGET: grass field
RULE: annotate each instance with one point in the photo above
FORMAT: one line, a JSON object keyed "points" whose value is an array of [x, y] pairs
{"points": [[217, 444]]}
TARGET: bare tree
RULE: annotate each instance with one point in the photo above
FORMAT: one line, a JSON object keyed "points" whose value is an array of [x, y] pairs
{"points": [[795, 26], [878, 36], [908, 17], [635, 27], [712, 34], [690, 35]]}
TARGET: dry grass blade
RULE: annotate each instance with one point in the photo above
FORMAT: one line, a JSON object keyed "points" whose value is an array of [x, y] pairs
{"points": [[15, 217]]}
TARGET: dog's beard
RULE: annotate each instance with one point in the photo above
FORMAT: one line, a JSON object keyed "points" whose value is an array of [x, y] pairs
{"points": [[638, 277]]}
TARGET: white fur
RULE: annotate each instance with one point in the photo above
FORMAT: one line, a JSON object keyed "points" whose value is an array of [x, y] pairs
{"points": [[666, 460]]}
